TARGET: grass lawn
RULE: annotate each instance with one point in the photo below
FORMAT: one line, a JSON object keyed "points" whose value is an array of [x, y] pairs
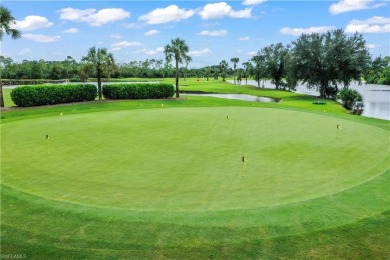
{"points": [[164, 179]]}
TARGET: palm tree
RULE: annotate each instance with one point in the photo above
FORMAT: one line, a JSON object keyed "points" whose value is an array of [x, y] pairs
{"points": [[259, 67], [240, 75], [248, 70], [6, 20], [235, 61], [103, 62], [223, 66], [177, 50]]}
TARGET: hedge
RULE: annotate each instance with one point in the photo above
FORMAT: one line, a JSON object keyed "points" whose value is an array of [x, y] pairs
{"points": [[38, 95], [138, 91]]}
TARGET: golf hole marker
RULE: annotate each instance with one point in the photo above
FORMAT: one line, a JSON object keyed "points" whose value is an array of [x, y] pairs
{"points": [[47, 143], [338, 127], [243, 160]]}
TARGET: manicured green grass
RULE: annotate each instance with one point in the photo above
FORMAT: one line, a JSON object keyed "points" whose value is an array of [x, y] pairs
{"points": [[138, 180], [7, 97]]}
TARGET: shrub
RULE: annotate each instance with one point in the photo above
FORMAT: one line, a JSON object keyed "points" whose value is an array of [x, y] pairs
{"points": [[138, 91], [38, 95], [351, 100]]}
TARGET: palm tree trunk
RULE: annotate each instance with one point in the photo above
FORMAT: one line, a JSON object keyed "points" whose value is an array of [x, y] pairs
{"points": [[177, 78], [1, 94], [99, 75]]}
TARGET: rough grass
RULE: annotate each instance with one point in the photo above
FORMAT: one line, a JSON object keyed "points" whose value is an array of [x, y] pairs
{"points": [[133, 179]]}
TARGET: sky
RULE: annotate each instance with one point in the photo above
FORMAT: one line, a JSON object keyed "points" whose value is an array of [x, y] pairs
{"points": [[214, 30]]}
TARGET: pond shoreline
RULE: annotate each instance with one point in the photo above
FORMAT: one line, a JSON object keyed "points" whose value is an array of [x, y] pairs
{"points": [[376, 97]]}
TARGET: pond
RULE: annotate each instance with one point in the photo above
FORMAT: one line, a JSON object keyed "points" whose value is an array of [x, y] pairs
{"points": [[376, 98]]}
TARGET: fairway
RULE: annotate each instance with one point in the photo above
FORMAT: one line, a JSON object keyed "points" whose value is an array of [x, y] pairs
{"points": [[189, 159], [169, 182]]}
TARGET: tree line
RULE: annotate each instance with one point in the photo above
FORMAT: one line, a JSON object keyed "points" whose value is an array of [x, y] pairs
{"points": [[259, 67], [74, 70]]}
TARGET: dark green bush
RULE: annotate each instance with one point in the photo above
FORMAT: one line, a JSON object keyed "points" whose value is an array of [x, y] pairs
{"points": [[138, 91], [352, 100], [38, 95]]}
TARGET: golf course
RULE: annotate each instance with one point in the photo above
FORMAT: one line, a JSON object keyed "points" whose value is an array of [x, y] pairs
{"points": [[195, 178]]}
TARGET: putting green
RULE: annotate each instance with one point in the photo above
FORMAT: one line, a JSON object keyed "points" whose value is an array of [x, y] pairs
{"points": [[189, 159]]}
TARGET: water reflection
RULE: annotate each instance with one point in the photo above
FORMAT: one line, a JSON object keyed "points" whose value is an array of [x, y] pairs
{"points": [[376, 98]]}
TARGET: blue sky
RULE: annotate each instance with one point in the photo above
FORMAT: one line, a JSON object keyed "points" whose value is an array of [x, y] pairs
{"points": [[214, 30]]}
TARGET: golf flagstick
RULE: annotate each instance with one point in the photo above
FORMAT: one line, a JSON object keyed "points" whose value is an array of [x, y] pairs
{"points": [[243, 162], [47, 143], [338, 128]]}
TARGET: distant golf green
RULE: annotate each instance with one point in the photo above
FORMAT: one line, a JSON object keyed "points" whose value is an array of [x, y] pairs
{"points": [[138, 180]]}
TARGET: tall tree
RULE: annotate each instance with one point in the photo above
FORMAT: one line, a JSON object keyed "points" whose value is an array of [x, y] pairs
{"points": [[235, 61], [207, 72], [223, 67], [323, 61], [102, 61], [70, 67], [275, 56], [379, 71], [240, 75], [177, 50], [6, 21], [248, 69], [259, 67]]}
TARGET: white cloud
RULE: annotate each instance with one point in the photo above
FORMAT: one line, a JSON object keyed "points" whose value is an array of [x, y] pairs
{"points": [[246, 38], [375, 19], [92, 16], [133, 25], [375, 24], [200, 52], [373, 46], [151, 52], [116, 36], [41, 37], [352, 5], [222, 9], [151, 32], [71, 30], [123, 44], [25, 51], [251, 53], [253, 2], [214, 33], [171, 13], [72, 14], [140, 51], [32, 22], [299, 31]]}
